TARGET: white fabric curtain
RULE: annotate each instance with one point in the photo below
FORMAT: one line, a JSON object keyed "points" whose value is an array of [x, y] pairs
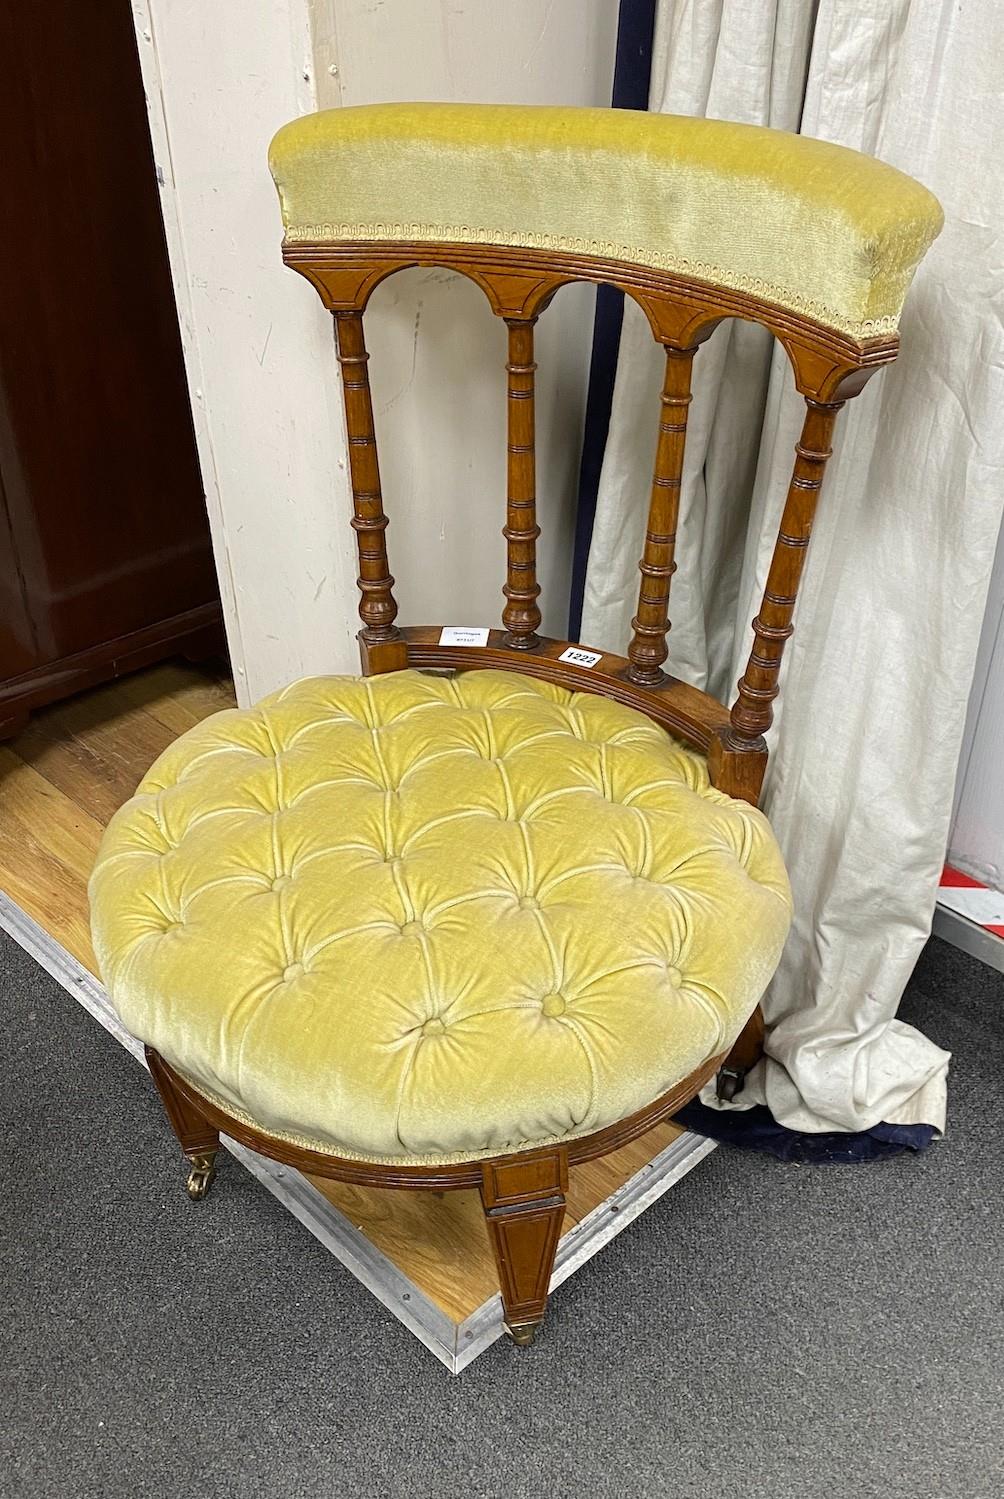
{"points": [[874, 688]]}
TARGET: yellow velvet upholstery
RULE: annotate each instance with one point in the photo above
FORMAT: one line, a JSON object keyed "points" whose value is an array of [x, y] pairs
{"points": [[819, 229], [414, 918]]}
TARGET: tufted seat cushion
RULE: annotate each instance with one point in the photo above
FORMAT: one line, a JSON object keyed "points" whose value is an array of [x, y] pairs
{"points": [[418, 918]]}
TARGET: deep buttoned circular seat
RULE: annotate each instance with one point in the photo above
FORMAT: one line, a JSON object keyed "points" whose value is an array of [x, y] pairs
{"points": [[415, 918]]}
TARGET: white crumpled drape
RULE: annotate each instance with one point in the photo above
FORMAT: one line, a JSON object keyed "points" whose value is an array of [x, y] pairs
{"points": [[874, 688]]}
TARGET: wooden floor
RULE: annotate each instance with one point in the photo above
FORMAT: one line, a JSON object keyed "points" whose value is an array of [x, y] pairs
{"points": [[61, 780], [439, 1239], [70, 769]]}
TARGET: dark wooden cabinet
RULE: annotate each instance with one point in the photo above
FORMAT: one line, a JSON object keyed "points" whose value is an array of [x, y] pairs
{"points": [[105, 558]]}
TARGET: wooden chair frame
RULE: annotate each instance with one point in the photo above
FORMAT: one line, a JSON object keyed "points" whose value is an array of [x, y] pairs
{"points": [[523, 1193]]}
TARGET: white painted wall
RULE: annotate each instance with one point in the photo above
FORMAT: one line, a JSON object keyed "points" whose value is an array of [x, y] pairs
{"points": [[257, 351], [976, 844], [258, 345]]}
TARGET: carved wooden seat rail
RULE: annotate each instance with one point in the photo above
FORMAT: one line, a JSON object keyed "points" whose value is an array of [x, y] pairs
{"points": [[828, 368]]}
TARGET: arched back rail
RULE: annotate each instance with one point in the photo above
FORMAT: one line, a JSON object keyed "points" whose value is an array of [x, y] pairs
{"points": [[814, 242]]}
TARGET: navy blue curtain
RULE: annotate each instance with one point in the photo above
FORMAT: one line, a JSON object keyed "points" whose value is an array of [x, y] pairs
{"points": [[632, 71]]}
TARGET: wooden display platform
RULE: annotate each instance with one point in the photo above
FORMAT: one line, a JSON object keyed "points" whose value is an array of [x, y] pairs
{"points": [[424, 1255], [438, 1239]]}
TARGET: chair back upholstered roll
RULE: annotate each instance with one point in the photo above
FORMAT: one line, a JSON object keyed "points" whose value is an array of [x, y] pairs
{"points": [[811, 227]]}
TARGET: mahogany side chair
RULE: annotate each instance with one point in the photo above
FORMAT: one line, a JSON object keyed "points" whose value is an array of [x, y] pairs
{"points": [[496, 907]]}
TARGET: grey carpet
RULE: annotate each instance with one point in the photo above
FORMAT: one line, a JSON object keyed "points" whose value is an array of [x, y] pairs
{"points": [[766, 1330]]}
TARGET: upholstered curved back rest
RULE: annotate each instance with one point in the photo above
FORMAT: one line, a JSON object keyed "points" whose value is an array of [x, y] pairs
{"points": [[698, 220], [815, 228]]}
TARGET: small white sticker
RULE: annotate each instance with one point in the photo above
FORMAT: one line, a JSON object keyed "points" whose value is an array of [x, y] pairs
{"points": [[464, 635], [579, 657]]}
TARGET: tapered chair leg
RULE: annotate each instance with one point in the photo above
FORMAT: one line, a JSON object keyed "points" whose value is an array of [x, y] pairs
{"points": [[524, 1203], [198, 1139], [746, 1052]]}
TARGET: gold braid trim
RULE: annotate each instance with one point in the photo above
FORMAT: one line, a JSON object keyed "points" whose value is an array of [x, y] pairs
{"points": [[326, 1147], [699, 270]]}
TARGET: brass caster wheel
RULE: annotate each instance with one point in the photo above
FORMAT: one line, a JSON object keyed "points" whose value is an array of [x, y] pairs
{"points": [[201, 1175], [730, 1082], [522, 1335]]}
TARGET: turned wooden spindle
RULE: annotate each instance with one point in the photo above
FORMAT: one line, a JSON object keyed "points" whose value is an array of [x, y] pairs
{"points": [[648, 648], [521, 616], [753, 712], [377, 605]]}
